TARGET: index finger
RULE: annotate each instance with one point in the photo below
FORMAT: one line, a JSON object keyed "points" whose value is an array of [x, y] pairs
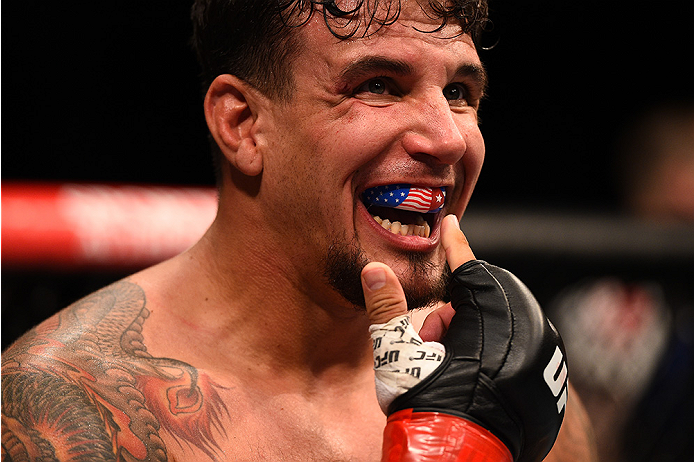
{"points": [[455, 243]]}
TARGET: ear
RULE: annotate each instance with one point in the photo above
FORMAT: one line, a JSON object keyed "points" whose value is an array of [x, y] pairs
{"points": [[230, 114]]}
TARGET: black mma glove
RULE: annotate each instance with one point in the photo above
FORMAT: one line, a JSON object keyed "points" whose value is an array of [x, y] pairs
{"points": [[504, 372]]}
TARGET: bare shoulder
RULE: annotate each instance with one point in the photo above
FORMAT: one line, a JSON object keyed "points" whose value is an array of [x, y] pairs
{"points": [[82, 386]]}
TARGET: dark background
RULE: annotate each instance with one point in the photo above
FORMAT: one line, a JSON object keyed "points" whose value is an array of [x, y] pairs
{"points": [[109, 92]]}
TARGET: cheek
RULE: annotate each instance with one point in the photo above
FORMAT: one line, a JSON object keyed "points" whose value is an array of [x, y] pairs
{"points": [[474, 156], [364, 132], [303, 180], [471, 165], [336, 145]]}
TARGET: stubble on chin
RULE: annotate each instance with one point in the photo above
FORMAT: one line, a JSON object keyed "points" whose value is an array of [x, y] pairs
{"points": [[345, 260]]}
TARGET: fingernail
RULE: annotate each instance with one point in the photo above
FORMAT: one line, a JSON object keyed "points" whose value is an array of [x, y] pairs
{"points": [[454, 220], [374, 278]]}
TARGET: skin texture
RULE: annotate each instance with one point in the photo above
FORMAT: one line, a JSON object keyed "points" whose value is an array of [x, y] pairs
{"points": [[241, 348], [83, 383]]}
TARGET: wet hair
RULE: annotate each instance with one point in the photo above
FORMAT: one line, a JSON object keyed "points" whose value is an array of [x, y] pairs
{"points": [[255, 40]]}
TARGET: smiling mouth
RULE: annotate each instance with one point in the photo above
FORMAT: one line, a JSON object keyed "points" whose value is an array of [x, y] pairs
{"points": [[404, 209]]}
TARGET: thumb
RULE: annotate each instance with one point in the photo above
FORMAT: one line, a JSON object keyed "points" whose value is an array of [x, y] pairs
{"points": [[455, 243], [383, 293]]}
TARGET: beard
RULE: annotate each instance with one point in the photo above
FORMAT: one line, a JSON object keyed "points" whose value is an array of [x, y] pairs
{"points": [[345, 261]]}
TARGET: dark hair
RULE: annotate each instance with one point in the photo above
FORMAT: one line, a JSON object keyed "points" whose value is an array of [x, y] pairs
{"points": [[253, 39]]}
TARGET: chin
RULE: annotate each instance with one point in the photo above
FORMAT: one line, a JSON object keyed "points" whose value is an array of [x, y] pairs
{"points": [[424, 280], [425, 283]]}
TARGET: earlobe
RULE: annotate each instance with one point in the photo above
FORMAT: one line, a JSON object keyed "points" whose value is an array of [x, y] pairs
{"points": [[230, 115]]}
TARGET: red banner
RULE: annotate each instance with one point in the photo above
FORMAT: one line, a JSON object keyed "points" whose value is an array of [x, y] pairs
{"points": [[97, 225]]}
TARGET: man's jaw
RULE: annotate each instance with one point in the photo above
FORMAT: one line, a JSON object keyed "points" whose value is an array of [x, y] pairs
{"points": [[425, 283], [414, 255]]}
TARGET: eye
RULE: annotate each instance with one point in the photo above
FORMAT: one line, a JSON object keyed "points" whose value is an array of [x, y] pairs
{"points": [[456, 92], [377, 86]]}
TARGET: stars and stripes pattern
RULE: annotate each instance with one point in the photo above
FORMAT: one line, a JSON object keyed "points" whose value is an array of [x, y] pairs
{"points": [[406, 197]]}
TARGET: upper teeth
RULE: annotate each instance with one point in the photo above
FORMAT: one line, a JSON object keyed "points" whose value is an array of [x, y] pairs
{"points": [[421, 229]]}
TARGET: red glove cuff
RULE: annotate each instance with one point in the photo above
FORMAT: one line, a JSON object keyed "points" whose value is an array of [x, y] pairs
{"points": [[433, 436]]}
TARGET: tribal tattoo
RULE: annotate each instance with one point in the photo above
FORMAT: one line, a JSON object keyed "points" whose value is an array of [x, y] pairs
{"points": [[82, 387]]}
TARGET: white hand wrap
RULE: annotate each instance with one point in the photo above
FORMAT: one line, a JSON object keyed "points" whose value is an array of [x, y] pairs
{"points": [[401, 359]]}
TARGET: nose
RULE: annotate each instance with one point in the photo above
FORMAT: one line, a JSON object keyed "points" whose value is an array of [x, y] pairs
{"points": [[435, 132]]}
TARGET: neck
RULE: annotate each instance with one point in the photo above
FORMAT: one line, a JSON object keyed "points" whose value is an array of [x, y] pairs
{"points": [[253, 308]]}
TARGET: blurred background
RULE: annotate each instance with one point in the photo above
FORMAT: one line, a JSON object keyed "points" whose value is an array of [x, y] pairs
{"points": [[587, 192]]}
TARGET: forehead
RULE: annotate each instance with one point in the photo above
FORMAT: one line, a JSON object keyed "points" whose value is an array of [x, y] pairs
{"points": [[414, 30]]}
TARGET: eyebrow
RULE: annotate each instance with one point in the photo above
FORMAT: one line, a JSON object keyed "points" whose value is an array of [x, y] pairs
{"points": [[476, 72], [370, 65]]}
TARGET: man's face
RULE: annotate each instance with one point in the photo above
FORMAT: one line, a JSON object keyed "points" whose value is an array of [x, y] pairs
{"points": [[398, 107]]}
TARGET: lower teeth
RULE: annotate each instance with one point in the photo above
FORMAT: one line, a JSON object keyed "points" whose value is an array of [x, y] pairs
{"points": [[422, 229]]}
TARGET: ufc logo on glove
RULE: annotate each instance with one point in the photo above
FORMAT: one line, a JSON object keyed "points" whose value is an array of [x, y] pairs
{"points": [[495, 388], [556, 374]]}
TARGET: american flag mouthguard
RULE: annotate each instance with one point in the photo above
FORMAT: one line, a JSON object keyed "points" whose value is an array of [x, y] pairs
{"points": [[406, 197]]}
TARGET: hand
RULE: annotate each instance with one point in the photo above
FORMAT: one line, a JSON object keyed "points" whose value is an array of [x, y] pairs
{"points": [[401, 358], [458, 252], [504, 370]]}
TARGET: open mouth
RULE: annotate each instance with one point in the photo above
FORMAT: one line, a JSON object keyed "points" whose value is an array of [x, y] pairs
{"points": [[405, 209]]}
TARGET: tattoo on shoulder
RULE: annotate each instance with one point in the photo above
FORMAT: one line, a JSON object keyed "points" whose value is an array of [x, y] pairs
{"points": [[82, 387]]}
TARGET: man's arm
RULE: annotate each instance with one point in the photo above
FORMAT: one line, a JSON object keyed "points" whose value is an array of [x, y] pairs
{"points": [[576, 442]]}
